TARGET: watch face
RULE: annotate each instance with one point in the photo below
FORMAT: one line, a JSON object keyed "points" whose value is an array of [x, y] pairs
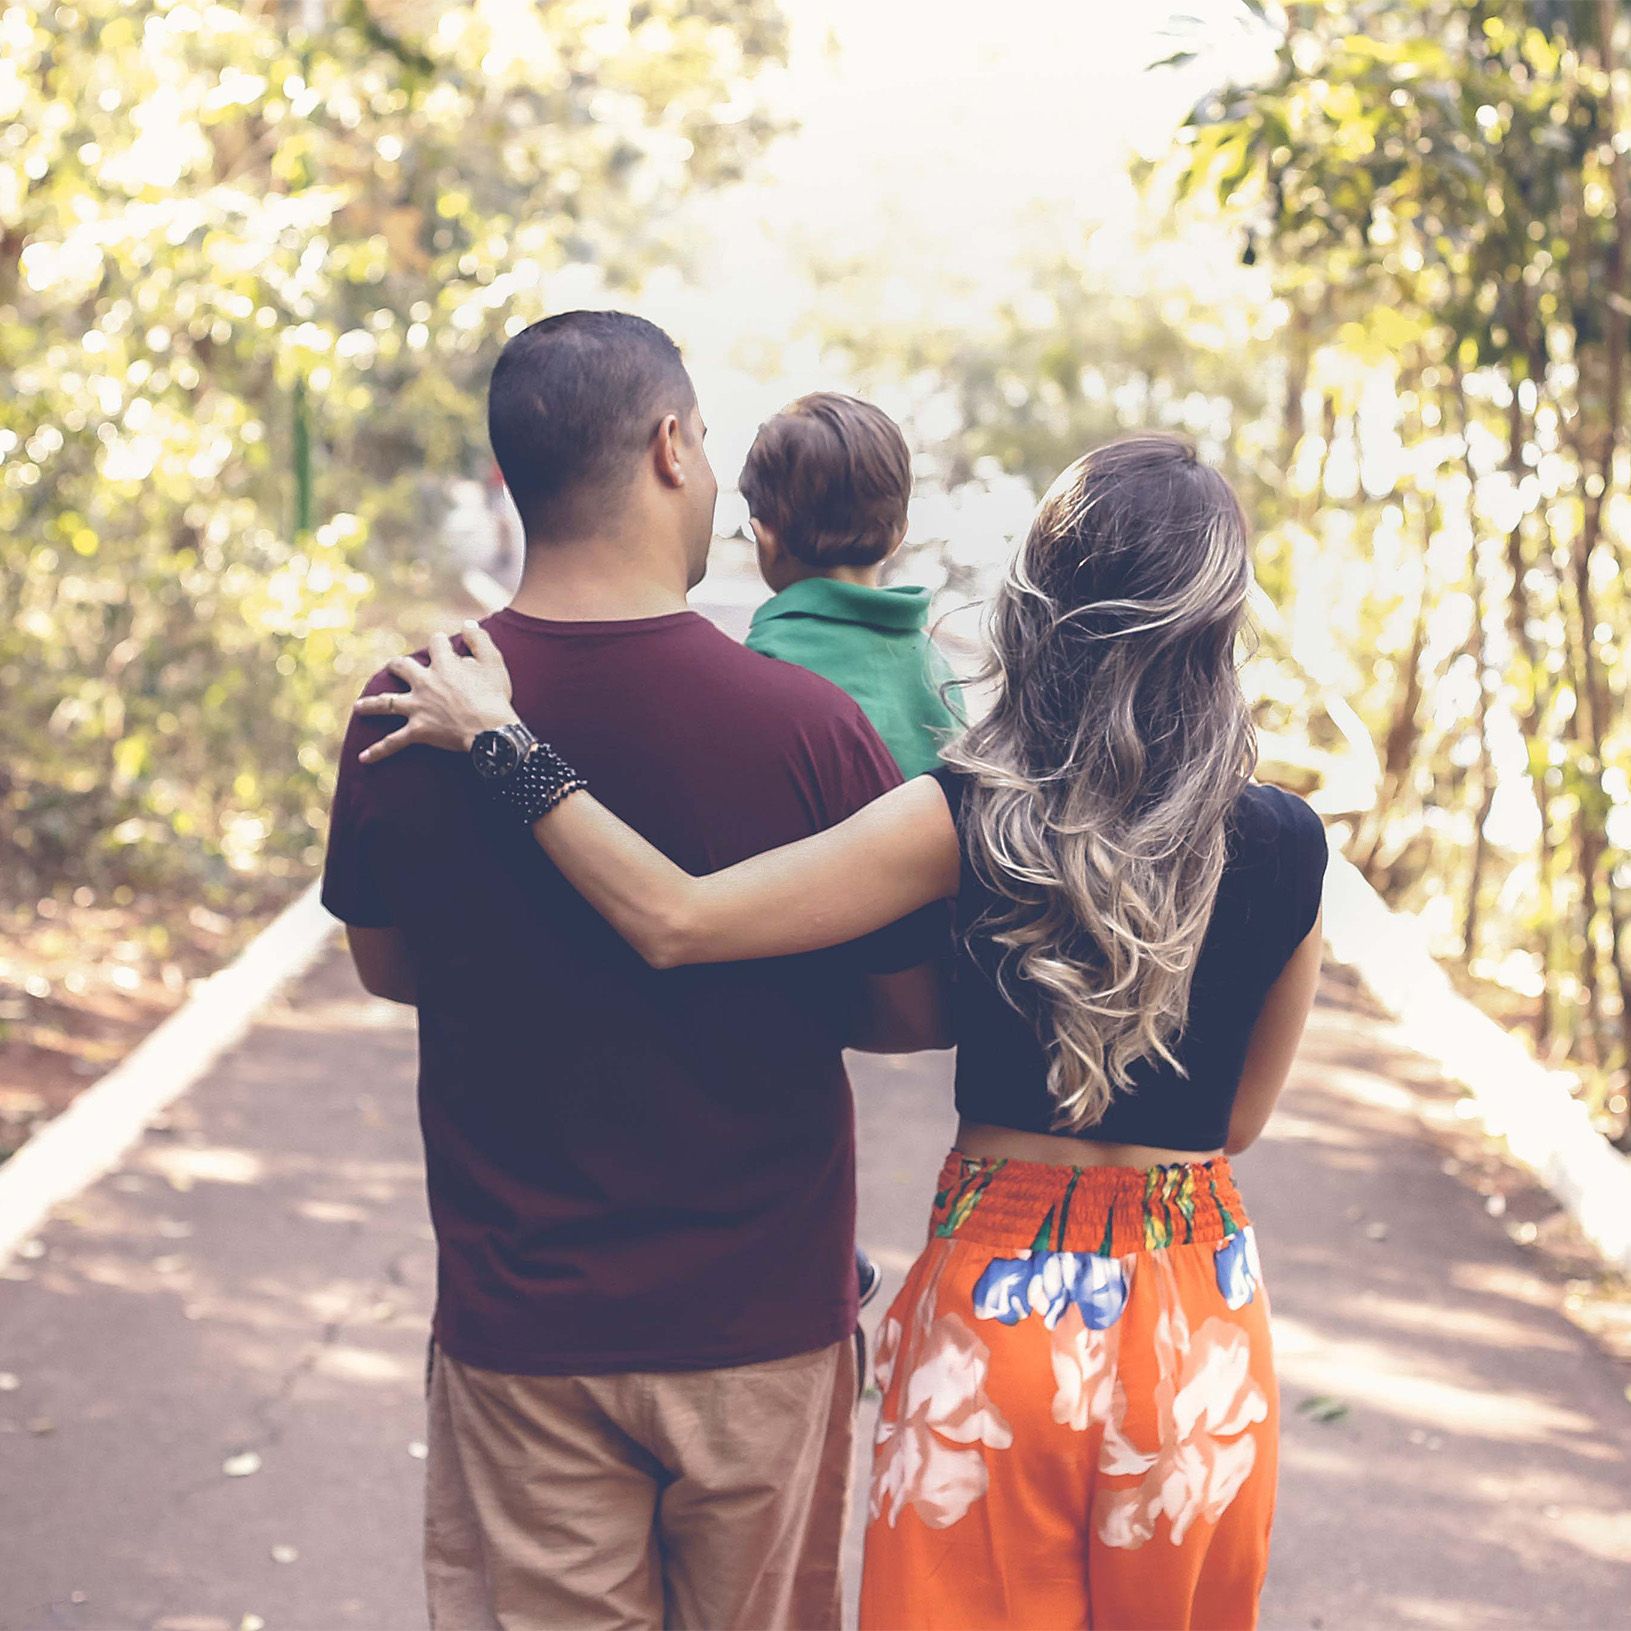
{"points": [[495, 754]]}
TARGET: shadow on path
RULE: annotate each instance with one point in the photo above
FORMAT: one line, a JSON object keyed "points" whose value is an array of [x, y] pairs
{"points": [[254, 1282], [1476, 1467]]}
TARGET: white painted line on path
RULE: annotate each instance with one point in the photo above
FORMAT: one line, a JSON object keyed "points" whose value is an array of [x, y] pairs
{"points": [[91, 1135], [94, 1132], [1518, 1099]]}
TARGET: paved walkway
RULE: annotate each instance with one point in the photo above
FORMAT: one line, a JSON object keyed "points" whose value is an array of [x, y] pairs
{"points": [[250, 1291]]}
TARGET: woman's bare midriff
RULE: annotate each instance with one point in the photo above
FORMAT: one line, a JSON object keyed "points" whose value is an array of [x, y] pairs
{"points": [[978, 1138]]}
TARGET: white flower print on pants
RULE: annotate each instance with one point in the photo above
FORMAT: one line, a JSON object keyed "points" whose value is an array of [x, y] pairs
{"points": [[941, 1405], [1206, 1400]]}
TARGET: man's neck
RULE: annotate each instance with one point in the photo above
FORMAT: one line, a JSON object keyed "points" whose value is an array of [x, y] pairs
{"points": [[572, 582]]}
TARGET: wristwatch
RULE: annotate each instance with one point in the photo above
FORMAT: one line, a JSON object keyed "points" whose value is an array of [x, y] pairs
{"points": [[497, 755], [521, 772]]}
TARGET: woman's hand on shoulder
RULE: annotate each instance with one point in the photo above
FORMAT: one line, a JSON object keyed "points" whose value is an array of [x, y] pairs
{"points": [[450, 699]]}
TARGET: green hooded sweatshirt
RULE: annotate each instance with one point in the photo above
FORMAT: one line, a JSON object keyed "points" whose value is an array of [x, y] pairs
{"points": [[871, 643]]}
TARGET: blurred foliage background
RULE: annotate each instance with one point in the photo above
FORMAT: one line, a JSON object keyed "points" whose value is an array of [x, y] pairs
{"points": [[255, 260], [1385, 280]]}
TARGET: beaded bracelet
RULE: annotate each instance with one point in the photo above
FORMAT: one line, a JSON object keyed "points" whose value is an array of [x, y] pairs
{"points": [[539, 783]]}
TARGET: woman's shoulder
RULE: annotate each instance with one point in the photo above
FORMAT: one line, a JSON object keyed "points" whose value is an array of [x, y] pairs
{"points": [[952, 783], [1278, 840], [1271, 820]]}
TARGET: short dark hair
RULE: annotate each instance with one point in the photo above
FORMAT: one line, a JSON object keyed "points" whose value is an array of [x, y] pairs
{"points": [[831, 476], [572, 401]]}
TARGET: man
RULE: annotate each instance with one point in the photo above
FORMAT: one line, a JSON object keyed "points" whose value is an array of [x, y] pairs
{"points": [[642, 1182]]}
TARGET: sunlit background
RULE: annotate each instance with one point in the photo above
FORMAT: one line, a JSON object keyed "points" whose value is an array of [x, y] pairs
{"points": [[255, 260]]}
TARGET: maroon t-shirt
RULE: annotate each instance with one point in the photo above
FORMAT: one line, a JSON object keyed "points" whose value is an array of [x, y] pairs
{"points": [[628, 1169]]}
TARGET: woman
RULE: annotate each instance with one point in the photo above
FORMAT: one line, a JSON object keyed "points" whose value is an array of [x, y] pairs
{"points": [[1079, 1417]]}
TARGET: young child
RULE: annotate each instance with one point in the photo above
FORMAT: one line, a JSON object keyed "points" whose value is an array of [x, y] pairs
{"points": [[827, 483]]}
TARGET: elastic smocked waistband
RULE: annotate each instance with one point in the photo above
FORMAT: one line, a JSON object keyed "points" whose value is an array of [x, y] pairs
{"points": [[1110, 1211]]}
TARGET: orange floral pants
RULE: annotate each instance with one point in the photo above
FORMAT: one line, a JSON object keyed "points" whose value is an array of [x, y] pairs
{"points": [[1080, 1422]]}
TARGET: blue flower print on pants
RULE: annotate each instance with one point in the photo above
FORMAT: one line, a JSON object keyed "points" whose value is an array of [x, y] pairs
{"points": [[1050, 1283], [1238, 1268]]}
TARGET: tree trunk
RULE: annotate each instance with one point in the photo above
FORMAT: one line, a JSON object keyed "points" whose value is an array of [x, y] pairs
{"points": [[1399, 751], [1297, 363], [1404, 732], [1486, 768], [1530, 338], [1478, 648], [1617, 315]]}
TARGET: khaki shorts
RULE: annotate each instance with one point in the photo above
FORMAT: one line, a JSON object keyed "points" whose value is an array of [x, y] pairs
{"points": [[699, 1500]]}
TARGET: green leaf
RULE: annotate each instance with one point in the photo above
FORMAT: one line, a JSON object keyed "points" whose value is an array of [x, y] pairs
{"points": [[1323, 1408]]}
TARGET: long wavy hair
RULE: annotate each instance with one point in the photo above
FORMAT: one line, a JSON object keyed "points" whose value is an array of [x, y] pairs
{"points": [[1103, 776]]}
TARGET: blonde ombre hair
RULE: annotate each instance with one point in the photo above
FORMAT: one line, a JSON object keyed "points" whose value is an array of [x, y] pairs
{"points": [[1102, 779]]}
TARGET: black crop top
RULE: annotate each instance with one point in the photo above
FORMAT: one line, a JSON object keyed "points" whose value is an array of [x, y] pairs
{"points": [[1267, 901]]}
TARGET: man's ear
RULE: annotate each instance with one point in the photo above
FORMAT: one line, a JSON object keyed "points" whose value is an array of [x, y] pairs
{"points": [[667, 451]]}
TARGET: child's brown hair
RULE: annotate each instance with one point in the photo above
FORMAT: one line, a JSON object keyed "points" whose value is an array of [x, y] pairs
{"points": [[831, 476]]}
